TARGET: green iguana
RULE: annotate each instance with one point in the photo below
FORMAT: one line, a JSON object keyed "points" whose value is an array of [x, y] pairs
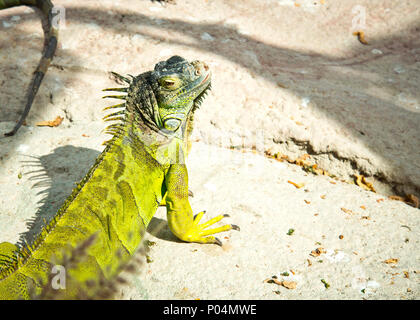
{"points": [[141, 167], [50, 45]]}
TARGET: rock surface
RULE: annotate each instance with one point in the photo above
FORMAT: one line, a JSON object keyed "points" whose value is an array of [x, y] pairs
{"points": [[289, 77]]}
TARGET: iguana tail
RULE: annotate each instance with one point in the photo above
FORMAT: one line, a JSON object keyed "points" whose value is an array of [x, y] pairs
{"points": [[50, 45]]}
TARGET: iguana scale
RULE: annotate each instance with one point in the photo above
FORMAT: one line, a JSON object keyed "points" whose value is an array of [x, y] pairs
{"points": [[50, 45], [141, 167]]}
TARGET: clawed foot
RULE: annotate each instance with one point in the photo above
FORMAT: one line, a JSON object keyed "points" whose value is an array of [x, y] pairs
{"points": [[199, 233]]}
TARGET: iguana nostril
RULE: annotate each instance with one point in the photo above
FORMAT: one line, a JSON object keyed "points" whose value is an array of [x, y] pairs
{"points": [[172, 124]]}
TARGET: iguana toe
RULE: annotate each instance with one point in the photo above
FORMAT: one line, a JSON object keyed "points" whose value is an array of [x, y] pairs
{"points": [[200, 233]]}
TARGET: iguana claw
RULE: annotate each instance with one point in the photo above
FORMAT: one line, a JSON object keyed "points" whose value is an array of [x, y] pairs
{"points": [[218, 242], [235, 227]]}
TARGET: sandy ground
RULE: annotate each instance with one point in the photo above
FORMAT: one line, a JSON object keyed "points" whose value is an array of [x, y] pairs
{"points": [[289, 77]]}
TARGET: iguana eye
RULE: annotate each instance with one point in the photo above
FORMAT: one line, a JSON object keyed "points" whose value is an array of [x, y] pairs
{"points": [[169, 83], [197, 72]]}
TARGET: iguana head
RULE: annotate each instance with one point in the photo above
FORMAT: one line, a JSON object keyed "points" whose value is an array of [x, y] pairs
{"points": [[180, 86]]}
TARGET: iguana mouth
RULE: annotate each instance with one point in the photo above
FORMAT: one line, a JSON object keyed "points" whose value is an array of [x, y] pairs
{"points": [[205, 79]]}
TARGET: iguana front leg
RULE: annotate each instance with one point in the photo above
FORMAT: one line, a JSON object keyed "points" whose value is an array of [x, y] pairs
{"points": [[179, 213]]}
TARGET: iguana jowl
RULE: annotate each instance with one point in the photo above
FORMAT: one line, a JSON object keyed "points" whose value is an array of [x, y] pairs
{"points": [[140, 167]]}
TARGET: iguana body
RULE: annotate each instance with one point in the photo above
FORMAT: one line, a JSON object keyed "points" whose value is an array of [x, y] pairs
{"points": [[140, 165], [50, 45]]}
